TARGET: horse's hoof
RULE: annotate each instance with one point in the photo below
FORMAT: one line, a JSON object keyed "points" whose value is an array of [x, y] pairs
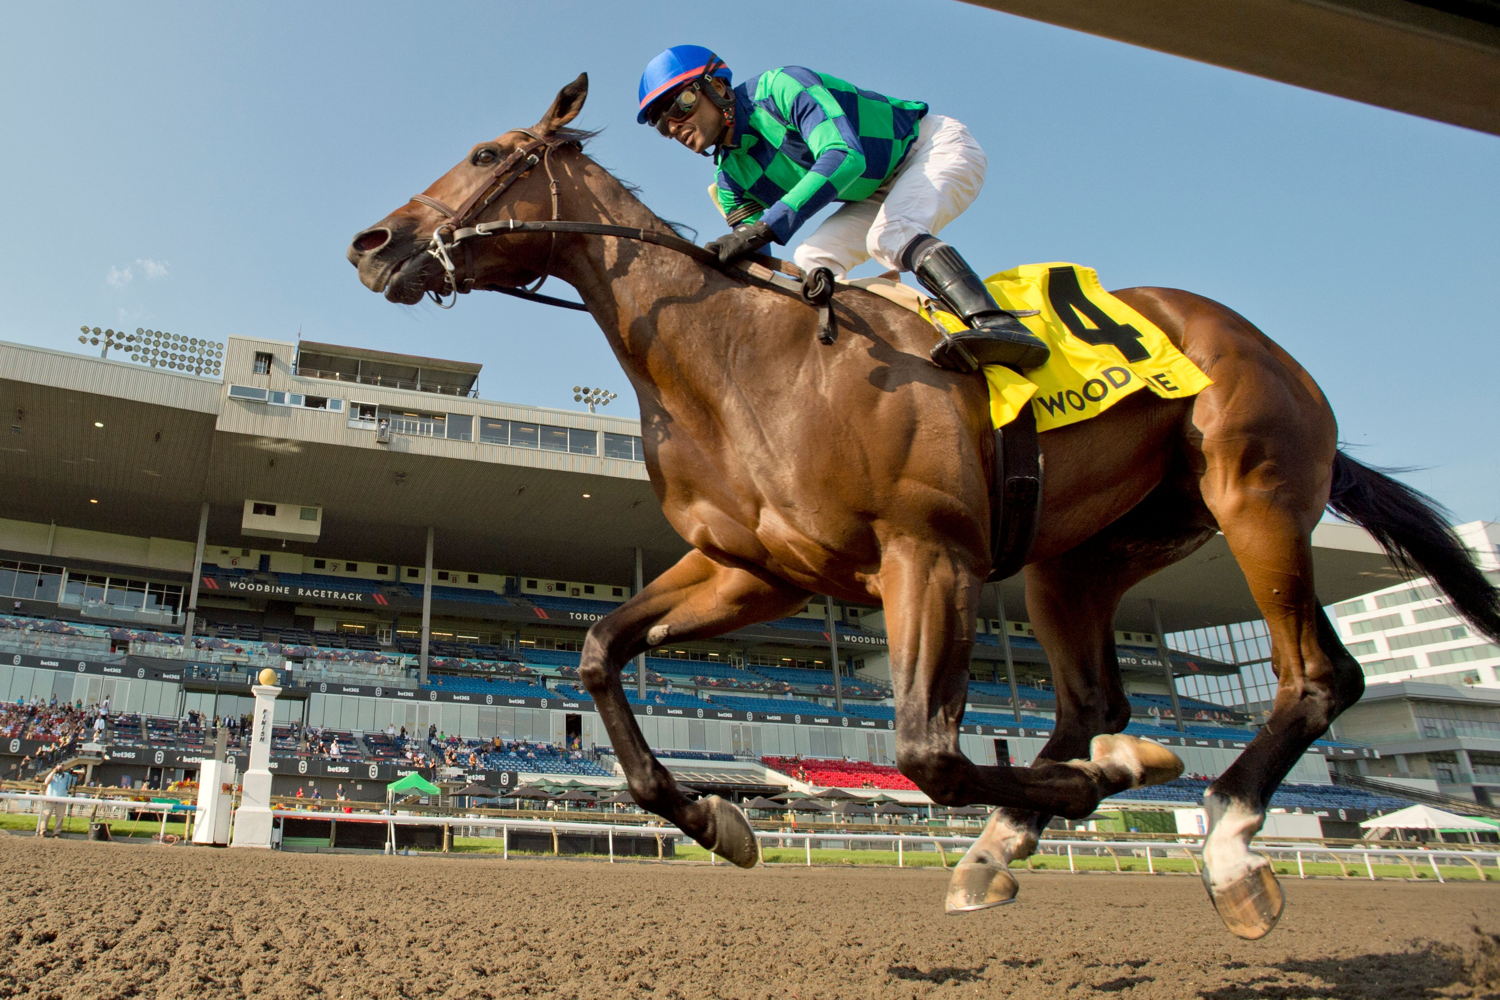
{"points": [[1145, 762], [1250, 905], [976, 885], [734, 840]]}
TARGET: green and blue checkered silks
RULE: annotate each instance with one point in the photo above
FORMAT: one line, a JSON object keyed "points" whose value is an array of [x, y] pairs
{"points": [[803, 139]]}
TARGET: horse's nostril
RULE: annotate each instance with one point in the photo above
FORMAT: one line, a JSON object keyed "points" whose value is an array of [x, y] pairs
{"points": [[371, 239]]}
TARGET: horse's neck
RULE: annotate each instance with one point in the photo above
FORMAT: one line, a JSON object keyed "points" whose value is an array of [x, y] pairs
{"points": [[625, 284]]}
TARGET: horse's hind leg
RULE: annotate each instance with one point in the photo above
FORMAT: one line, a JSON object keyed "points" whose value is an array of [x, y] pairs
{"points": [[1267, 516], [696, 598], [929, 600], [1071, 600]]}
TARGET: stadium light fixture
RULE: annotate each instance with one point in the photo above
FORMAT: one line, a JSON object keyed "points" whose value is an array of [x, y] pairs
{"points": [[594, 397], [158, 349]]}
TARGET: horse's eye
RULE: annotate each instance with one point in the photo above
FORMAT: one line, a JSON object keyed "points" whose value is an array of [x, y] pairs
{"points": [[484, 156]]}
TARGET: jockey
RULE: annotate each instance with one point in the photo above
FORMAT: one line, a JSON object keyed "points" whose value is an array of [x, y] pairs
{"points": [[791, 140]]}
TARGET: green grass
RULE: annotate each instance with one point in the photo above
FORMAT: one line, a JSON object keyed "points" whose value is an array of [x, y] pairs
{"points": [[145, 828]]}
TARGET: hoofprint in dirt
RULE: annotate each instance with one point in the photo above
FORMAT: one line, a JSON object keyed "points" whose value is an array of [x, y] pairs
{"points": [[97, 921]]}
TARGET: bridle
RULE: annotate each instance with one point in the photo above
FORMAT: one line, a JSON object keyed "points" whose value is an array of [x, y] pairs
{"points": [[456, 224], [458, 229]]}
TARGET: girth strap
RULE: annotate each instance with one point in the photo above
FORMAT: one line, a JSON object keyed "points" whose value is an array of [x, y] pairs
{"points": [[1015, 495]]}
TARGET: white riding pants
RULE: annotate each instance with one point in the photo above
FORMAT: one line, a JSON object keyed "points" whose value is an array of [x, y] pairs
{"points": [[940, 177]]}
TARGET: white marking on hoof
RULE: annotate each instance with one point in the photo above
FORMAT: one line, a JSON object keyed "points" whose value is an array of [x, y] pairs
{"points": [[1239, 881]]}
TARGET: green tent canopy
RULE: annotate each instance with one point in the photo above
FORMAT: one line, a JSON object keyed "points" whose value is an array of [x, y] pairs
{"points": [[413, 782]]}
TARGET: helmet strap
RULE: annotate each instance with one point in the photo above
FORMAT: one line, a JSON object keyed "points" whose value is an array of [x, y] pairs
{"points": [[724, 102]]}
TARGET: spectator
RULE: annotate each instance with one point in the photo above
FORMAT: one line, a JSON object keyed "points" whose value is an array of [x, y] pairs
{"points": [[58, 783]]}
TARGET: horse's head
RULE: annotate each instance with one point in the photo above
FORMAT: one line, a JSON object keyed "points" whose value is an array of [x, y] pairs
{"points": [[406, 254]]}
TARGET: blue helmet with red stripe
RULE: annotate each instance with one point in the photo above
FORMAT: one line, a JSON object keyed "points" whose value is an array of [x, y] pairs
{"points": [[673, 69]]}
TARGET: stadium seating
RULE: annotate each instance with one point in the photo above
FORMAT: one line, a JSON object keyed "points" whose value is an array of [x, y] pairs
{"points": [[840, 773]]}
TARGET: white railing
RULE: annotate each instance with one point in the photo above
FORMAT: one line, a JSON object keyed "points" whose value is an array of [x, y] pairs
{"points": [[1075, 851]]}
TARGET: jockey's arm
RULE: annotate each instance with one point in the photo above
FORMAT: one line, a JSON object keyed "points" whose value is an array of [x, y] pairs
{"points": [[838, 153]]}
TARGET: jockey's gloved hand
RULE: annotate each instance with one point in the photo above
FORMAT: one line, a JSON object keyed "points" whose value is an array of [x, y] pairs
{"points": [[746, 239]]}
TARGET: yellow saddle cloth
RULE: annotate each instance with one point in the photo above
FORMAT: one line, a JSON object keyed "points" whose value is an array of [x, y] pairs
{"points": [[1102, 350]]}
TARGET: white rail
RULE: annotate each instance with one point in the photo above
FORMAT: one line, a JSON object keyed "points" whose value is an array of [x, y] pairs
{"points": [[1151, 852]]}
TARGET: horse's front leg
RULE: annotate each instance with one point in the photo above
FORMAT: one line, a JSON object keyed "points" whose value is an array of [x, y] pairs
{"points": [[695, 599]]}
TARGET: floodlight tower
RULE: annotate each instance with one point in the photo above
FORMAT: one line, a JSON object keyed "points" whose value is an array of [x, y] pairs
{"points": [[158, 349], [594, 397]]}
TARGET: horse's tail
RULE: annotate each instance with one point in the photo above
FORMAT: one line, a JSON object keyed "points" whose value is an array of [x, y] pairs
{"points": [[1410, 527]]}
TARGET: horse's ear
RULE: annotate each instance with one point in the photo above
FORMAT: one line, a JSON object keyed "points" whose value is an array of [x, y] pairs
{"points": [[566, 106]]}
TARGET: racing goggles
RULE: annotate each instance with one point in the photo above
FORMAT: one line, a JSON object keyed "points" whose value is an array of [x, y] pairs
{"points": [[679, 109]]}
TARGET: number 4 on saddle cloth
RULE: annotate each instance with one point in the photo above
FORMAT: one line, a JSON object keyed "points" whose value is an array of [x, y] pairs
{"points": [[1102, 351]]}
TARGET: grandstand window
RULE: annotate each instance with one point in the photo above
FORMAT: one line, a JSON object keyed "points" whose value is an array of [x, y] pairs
{"points": [[1375, 624], [320, 564], [581, 442], [418, 424], [1438, 612], [1463, 654], [277, 397], [247, 392], [1428, 637], [473, 577], [350, 567], [263, 509], [1405, 595], [308, 513], [523, 435], [626, 446], [32, 581], [382, 570], [362, 412], [1353, 607], [262, 364], [1364, 648], [494, 431], [1374, 668], [554, 438], [460, 427], [411, 572]]}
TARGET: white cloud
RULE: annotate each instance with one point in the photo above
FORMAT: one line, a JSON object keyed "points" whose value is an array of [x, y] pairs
{"points": [[148, 268]]}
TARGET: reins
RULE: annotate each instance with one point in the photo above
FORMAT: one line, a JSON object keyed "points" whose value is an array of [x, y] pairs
{"points": [[455, 231]]}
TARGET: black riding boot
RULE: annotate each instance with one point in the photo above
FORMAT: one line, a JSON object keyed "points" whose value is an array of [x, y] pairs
{"points": [[994, 337]]}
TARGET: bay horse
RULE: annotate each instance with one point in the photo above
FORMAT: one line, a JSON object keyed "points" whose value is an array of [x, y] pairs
{"points": [[859, 470]]}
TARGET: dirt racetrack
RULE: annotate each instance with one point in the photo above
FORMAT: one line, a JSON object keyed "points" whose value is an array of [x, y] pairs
{"points": [[100, 921]]}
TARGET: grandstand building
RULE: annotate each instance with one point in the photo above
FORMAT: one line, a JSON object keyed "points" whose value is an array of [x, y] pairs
{"points": [[421, 564], [1408, 633]]}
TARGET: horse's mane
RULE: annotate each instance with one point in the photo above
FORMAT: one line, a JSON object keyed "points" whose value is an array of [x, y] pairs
{"points": [[579, 137]]}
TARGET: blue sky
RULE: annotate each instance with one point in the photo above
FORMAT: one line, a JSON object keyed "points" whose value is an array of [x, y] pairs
{"points": [[200, 168]]}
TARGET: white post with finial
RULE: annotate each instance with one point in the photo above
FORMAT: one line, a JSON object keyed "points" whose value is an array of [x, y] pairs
{"points": [[253, 821]]}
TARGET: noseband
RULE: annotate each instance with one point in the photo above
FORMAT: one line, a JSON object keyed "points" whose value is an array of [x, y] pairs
{"points": [[444, 236]]}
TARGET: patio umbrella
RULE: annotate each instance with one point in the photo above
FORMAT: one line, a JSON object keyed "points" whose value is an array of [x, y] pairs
{"points": [[761, 802], [620, 798], [576, 795], [474, 788], [892, 808], [830, 794], [530, 792], [810, 806]]}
